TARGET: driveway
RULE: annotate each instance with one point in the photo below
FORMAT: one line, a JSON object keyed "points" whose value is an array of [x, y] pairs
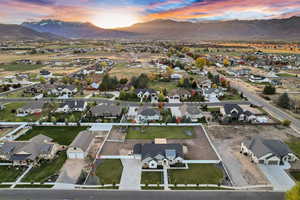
{"points": [[131, 175], [71, 171], [277, 177]]}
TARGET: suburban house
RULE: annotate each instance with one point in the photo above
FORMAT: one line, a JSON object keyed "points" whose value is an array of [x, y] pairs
{"points": [[81, 145], [146, 114], [233, 112], [64, 90], [158, 155], [72, 106], [259, 79], [178, 95], [267, 151], [144, 94], [176, 76], [240, 72], [31, 108], [191, 112], [106, 111], [212, 94], [45, 73], [28, 152]]}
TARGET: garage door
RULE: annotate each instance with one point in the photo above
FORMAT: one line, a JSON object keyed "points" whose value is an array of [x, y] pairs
{"points": [[273, 162], [73, 155]]}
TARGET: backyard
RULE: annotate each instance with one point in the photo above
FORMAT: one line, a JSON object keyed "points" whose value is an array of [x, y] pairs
{"points": [[46, 170], [9, 114], [151, 132], [63, 135], [9, 174], [151, 178], [196, 174], [110, 171]]}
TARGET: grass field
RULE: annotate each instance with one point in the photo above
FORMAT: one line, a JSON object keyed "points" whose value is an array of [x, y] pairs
{"points": [[63, 135], [122, 71], [157, 85], [109, 171], [151, 178], [196, 174], [47, 169], [33, 186], [9, 174], [20, 67], [151, 132], [9, 116]]}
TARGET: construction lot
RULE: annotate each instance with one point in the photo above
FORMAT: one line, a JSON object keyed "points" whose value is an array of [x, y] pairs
{"points": [[227, 140]]}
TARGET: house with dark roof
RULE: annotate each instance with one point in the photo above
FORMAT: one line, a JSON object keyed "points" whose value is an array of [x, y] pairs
{"points": [[233, 112], [81, 145], [266, 151], [72, 106], [146, 114], [45, 73], [155, 155], [106, 111], [28, 152]]}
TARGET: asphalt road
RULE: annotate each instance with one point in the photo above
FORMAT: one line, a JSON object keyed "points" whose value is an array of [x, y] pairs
{"points": [[276, 112], [139, 195]]}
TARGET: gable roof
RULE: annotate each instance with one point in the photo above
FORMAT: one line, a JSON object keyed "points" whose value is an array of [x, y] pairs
{"points": [[260, 147], [83, 140], [180, 92], [106, 110], [146, 111], [73, 104]]}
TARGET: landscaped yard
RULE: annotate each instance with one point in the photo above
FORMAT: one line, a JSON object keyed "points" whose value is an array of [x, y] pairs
{"points": [[151, 132], [294, 145], [9, 114], [70, 117], [47, 169], [64, 135], [110, 171], [196, 174], [9, 174], [151, 178], [20, 67]]}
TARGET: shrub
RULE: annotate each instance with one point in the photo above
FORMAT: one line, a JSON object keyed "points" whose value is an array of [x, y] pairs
{"points": [[286, 123]]}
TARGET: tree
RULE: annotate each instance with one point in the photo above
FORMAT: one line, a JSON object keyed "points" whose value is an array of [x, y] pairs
{"points": [[53, 119], [294, 193], [42, 80], [200, 63], [161, 97], [284, 101], [269, 89], [140, 82], [226, 62]]}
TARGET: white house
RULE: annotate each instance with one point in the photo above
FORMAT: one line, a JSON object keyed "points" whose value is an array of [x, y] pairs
{"points": [[268, 152], [148, 114], [259, 79], [72, 106]]}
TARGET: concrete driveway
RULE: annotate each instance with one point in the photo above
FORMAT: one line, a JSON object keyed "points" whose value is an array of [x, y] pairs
{"points": [[131, 175], [280, 180], [71, 171]]}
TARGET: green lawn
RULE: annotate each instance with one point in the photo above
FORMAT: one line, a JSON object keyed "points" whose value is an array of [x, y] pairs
{"points": [[294, 145], [34, 186], [109, 171], [286, 75], [47, 169], [61, 117], [9, 174], [151, 132], [158, 85], [20, 67], [151, 178], [196, 174], [5, 186], [9, 114], [64, 135], [233, 97], [152, 188]]}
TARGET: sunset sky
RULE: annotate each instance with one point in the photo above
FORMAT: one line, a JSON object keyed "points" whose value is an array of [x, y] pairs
{"points": [[120, 13]]}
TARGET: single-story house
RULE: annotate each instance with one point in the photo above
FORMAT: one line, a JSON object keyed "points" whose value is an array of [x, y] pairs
{"points": [[267, 151], [81, 145], [146, 114], [28, 152], [192, 112], [106, 111], [233, 112], [259, 79], [178, 95], [72, 106], [212, 94], [31, 108], [155, 155]]}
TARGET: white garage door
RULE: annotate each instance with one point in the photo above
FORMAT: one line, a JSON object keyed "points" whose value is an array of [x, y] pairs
{"points": [[73, 155]]}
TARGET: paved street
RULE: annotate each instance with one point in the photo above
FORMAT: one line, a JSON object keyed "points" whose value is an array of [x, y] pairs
{"points": [[140, 195], [276, 112]]}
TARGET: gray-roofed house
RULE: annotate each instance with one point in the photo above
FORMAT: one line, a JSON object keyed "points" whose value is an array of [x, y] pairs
{"points": [[72, 106], [31, 108], [28, 152], [192, 112], [106, 111], [178, 95], [267, 151], [81, 145], [154, 155], [233, 112], [146, 114]]}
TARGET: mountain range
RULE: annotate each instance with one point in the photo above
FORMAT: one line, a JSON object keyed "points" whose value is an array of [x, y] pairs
{"points": [[272, 29]]}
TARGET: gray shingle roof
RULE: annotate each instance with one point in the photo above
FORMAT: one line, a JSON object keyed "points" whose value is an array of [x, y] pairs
{"points": [[34, 105], [106, 110], [73, 104], [149, 112], [83, 140]]}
